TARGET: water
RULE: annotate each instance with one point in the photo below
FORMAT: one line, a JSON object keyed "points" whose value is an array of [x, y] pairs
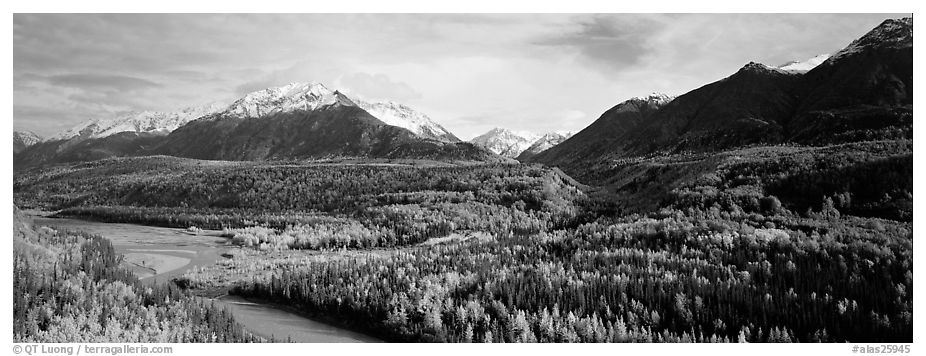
{"points": [[269, 321], [157, 254]]}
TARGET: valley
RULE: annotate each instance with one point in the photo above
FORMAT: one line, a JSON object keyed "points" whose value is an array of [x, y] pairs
{"points": [[609, 275], [774, 205], [158, 255]]}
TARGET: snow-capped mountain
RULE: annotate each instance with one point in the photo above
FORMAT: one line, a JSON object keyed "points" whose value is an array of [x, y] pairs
{"points": [[634, 104], [762, 69], [155, 122], [806, 65], [287, 98], [506, 142], [27, 138], [543, 143], [600, 135], [311, 96], [396, 114], [890, 34], [23, 139]]}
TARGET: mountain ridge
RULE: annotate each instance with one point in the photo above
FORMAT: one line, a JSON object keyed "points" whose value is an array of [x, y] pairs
{"points": [[154, 122], [505, 142], [863, 92], [24, 139]]}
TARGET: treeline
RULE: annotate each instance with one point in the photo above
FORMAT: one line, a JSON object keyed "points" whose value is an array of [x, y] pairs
{"points": [[261, 187], [760, 244], [70, 287], [203, 218], [321, 206], [663, 279], [870, 179]]}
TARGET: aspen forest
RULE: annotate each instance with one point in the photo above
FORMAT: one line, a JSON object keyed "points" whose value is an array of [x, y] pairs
{"points": [[737, 250]]}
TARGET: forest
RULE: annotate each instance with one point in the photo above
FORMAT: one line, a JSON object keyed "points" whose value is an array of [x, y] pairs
{"points": [[69, 287], [760, 244], [667, 278], [365, 205]]}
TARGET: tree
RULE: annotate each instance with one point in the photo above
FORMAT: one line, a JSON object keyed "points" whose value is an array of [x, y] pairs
{"points": [[770, 204]]}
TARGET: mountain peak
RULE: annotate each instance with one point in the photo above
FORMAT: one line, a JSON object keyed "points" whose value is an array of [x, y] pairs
{"points": [[653, 100], [309, 96], [544, 143], [401, 115], [27, 138], [757, 67], [806, 65], [137, 121], [892, 33], [506, 142], [498, 130], [290, 97]]}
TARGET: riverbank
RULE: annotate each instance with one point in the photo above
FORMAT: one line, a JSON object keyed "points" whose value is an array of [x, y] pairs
{"points": [[158, 255], [265, 317]]}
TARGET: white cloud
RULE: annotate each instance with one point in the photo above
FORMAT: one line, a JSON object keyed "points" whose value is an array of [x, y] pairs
{"points": [[533, 72]]}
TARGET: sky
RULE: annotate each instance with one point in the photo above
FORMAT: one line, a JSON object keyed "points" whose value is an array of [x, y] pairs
{"points": [[468, 72]]}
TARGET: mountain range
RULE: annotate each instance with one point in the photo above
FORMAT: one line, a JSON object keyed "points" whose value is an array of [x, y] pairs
{"points": [[804, 66], [598, 138], [862, 92], [153, 122], [308, 121], [294, 121], [24, 139], [505, 142], [310, 96], [518, 144], [543, 143]]}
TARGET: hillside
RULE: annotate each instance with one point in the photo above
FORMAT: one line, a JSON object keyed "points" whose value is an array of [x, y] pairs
{"points": [[598, 138], [299, 121], [861, 93], [338, 128], [24, 139]]}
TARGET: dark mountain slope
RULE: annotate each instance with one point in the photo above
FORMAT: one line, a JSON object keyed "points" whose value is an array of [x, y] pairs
{"points": [[24, 139], [748, 107], [862, 93], [337, 130], [78, 149], [599, 138]]}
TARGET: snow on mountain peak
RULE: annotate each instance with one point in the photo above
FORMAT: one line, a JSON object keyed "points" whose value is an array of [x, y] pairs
{"points": [[291, 97], [892, 33], [308, 96], [137, 121], [756, 67], [806, 65], [506, 142], [548, 140], [656, 98], [297, 96], [651, 100], [26, 138], [396, 114]]}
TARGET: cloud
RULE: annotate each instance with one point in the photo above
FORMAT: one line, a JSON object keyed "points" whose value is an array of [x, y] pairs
{"points": [[610, 40], [378, 86], [469, 72], [46, 120], [568, 118], [310, 70], [102, 81]]}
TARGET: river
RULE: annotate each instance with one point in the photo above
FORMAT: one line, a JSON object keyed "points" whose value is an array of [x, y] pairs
{"points": [[157, 254]]}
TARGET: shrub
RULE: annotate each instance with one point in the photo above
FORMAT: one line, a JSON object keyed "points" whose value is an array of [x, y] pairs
{"points": [[770, 204]]}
